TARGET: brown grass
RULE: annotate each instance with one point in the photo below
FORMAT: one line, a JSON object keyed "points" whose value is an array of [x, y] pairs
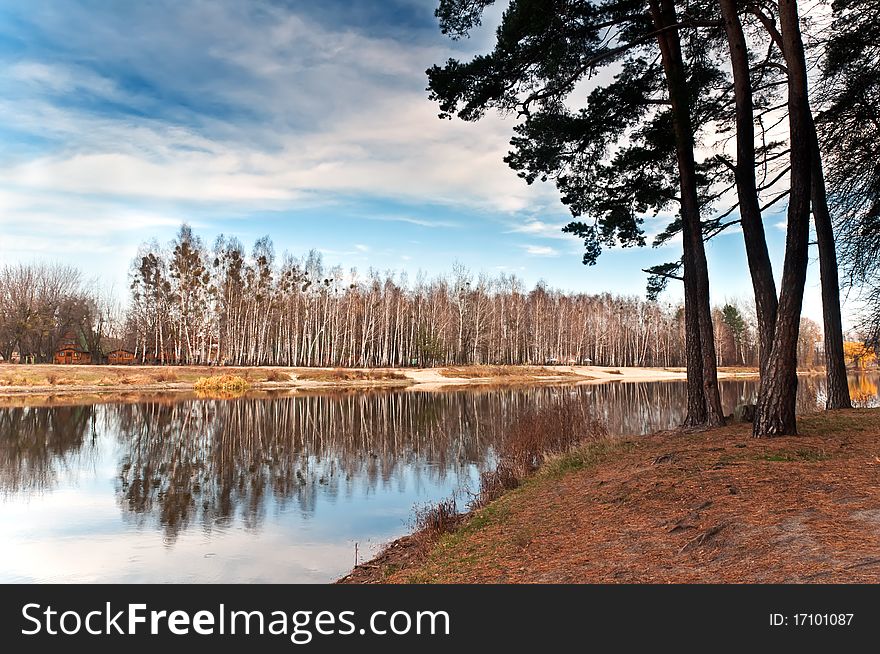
{"points": [[433, 521], [477, 372], [277, 376], [222, 384], [348, 375], [533, 436]]}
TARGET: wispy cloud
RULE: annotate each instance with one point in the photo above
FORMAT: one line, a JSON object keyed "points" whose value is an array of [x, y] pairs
{"points": [[540, 228], [421, 222], [229, 102], [540, 251]]}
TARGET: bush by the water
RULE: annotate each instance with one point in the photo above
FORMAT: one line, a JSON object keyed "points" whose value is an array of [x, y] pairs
{"points": [[433, 521], [222, 383], [534, 435]]}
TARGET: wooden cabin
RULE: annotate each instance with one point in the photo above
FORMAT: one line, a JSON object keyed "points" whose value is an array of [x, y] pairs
{"points": [[120, 357], [71, 354]]}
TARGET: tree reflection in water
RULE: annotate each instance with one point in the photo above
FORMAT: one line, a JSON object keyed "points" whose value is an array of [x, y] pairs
{"points": [[216, 463], [208, 461], [37, 445], [863, 389]]}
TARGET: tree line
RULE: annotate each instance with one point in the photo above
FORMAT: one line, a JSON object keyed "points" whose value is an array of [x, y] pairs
{"points": [[191, 304], [709, 113], [196, 304]]}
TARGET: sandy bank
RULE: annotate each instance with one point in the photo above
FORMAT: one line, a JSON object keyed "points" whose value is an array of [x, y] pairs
{"points": [[58, 380]]}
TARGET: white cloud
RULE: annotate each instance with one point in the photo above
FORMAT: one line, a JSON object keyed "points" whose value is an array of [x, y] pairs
{"points": [[421, 222], [305, 113], [539, 228], [540, 251]]}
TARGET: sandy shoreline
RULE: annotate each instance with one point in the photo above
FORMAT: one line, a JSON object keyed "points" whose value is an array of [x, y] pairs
{"points": [[21, 383]]}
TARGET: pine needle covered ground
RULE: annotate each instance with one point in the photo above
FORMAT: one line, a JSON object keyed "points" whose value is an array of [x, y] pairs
{"points": [[713, 506]]}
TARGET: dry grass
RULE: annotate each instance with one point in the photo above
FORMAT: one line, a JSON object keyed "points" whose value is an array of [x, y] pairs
{"points": [[28, 376], [348, 375], [534, 436], [433, 521], [17, 380], [482, 372], [222, 384], [277, 376]]}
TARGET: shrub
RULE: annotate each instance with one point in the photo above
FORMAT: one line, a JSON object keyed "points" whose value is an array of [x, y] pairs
{"points": [[433, 521], [277, 376], [222, 383], [533, 436]]}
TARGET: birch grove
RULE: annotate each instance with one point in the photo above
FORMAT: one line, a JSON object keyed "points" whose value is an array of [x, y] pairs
{"points": [[192, 304]]}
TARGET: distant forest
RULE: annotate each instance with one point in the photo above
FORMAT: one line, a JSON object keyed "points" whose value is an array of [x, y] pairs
{"points": [[194, 304]]}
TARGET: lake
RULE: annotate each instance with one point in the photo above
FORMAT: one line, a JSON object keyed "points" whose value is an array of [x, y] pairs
{"points": [[271, 489]]}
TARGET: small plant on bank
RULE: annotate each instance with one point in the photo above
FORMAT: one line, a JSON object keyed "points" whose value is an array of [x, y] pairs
{"points": [[277, 376], [431, 522], [222, 384], [165, 376], [534, 436]]}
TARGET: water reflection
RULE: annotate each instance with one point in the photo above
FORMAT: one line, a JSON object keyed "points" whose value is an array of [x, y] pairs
{"points": [[37, 445], [274, 488], [207, 461]]}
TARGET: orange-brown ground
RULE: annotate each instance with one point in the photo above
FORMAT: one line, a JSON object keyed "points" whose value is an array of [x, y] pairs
{"points": [[714, 506]]}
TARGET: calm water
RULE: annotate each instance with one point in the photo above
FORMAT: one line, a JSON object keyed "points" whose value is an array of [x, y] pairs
{"points": [[270, 490]]}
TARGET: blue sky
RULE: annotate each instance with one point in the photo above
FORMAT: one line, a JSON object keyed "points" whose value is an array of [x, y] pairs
{"points": [[306, 120]]}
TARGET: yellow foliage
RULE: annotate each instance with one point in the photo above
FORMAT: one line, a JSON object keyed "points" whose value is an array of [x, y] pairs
{"points": [[858, 355], [223, 383], [863, 390]]}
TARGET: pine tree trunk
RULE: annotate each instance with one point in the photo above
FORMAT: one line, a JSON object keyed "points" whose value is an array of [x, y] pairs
{"points": [[696, 394], [775, 414], [835, 364], [760, 268], [697, 273]]}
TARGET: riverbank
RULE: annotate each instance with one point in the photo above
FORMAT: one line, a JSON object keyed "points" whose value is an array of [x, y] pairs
{"points": [[64, 380], [708, 507]]}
